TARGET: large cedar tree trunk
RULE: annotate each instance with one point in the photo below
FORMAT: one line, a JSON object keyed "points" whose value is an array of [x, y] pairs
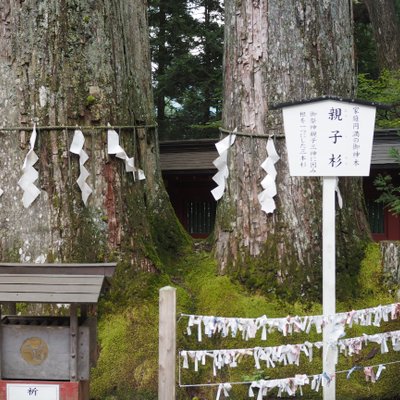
{"points": [[80, 63], [386, 28], [279, 51]]}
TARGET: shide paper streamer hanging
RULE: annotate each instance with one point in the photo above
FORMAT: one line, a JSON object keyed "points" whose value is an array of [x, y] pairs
{"points": [[115, 148], [221, 163], [30, 174], [266, 197], [77, 148]]}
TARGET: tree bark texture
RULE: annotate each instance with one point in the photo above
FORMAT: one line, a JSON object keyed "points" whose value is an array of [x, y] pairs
{"points": [[390, 250], [279, 51], [386, 28], [79, 63]]}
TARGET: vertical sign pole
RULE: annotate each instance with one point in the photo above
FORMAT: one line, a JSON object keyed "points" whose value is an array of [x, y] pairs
{"points": [[328, 277], [167, 344]]}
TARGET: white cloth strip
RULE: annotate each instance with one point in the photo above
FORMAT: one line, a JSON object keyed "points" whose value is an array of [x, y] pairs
{"points": [[317, 381], [249, 327], [223, 388], [288, 354]]}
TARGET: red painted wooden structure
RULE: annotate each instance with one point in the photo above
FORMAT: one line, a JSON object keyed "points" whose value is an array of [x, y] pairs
{"points": [[66, 390]]}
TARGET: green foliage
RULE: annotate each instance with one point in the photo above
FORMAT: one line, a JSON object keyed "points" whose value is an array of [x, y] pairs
{"points": [[389, 193], [187, 59], [365, 44], [386, 90]]}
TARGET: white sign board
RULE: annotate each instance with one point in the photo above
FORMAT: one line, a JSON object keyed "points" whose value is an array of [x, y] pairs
{"points": [[22, 391], [329, 138]]}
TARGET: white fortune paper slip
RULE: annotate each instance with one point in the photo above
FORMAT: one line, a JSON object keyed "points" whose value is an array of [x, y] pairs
{"points": [[221, 163], [30, 174], [77, 148], [115, 148], [266, 197]]}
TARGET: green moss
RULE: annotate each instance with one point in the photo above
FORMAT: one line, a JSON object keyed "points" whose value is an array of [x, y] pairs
{"points": [[90, 100], [56, 201], [169, 238], [50, 257], [12, 253], [88, 239], [225, 217], [283, 276], [128, 360], [370, 282], [127, 367]]}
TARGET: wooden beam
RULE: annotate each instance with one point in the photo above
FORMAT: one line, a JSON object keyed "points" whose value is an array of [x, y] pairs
{"points": [[1, 341], [167, 344]]}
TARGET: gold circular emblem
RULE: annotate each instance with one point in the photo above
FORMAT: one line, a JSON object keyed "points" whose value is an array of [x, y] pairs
{"points": [[34, 350]]}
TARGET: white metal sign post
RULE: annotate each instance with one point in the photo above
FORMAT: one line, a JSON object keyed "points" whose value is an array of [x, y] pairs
{"points": [[329, 138], [328, 278]]}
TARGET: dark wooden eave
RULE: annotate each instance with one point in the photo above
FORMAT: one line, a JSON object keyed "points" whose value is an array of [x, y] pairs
{"points": [[197, 156], [104, 269], [187, 156]]}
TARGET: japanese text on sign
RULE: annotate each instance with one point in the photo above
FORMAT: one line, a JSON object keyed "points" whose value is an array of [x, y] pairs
{"points": [[329, 138], [20, 391]]}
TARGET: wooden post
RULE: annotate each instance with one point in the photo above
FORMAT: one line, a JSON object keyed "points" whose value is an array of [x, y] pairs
{"points": [[328, 278], [73, 331], [1, 340], [167, 344]]}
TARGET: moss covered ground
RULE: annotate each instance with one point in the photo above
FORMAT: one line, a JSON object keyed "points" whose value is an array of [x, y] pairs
{"points": [[128, 337]]}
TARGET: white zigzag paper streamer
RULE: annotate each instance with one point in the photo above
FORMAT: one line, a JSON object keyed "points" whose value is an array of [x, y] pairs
{"points": [[115, 148], [77, 148], [30, 174], [266, 197], [221, 162]]}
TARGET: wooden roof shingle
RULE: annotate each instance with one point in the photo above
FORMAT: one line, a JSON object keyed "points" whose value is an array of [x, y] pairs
{"points": [[53, 283], [198, 155]]}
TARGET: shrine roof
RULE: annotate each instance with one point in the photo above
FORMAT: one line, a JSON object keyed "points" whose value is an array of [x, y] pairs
{"points": [[53, 283]]}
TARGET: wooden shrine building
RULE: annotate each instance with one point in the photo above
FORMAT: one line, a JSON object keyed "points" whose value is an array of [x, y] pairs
{"points": [[187, 168]]}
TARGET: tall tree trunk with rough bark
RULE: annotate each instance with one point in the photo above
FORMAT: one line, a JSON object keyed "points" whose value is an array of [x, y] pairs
{"points": [[386, 28], [281, 51], [80, 63]]}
